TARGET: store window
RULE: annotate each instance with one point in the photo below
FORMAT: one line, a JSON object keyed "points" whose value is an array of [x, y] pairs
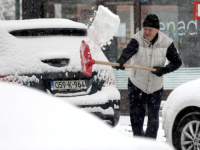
{"points": [[176, 20], [76, 10], [125, 11], [126, 28], [168, 17]]}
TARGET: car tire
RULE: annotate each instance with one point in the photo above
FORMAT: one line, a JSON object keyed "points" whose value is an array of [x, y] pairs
{"points": [[116, 117], [187, 134]]}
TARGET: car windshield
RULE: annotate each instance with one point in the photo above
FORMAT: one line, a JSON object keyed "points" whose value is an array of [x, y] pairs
{"points": [[49, 32]]}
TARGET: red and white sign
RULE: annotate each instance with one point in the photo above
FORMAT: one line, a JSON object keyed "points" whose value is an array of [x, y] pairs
{"points": [[196, 10]]}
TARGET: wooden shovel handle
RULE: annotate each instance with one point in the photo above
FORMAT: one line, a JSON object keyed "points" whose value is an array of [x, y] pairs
{"points": [[125, 65]]}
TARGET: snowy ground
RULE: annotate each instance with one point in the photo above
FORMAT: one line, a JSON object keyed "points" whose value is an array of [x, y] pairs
{"points": [[124, 127]]}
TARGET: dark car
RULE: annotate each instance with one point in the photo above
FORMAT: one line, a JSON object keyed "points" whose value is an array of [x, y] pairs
{"points": [[45, 54]]}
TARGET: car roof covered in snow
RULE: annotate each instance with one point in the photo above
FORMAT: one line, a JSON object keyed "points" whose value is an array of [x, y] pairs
{"points": [[12, 25], [33, 120], [187, 93], [183, 96]]}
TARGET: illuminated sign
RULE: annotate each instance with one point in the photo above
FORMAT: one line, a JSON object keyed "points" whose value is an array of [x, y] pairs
{"points": [[196, 10]]}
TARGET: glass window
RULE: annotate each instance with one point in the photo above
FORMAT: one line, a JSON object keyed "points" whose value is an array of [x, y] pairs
{"points": [[176, 20]]}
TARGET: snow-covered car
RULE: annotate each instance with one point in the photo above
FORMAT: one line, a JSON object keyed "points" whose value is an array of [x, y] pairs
{"points": [[181, 116], [41, 121], [45, 54]]}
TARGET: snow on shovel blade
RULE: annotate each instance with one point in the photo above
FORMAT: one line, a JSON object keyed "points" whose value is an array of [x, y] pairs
{"points": [[86, 59]]}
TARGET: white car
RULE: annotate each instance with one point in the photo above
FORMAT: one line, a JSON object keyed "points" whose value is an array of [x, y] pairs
{"points": [[181, 116], [40, 121], [45, 54]]}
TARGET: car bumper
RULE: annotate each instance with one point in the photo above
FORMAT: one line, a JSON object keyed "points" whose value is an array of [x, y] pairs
{"points": [[101, 97], [104, 104]]}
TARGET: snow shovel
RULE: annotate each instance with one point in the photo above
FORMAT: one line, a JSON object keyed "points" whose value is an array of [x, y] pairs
{"points": [[87, 62]]}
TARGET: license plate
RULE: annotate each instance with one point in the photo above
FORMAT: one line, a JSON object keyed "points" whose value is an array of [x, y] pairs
{"points": [[73, 84]]}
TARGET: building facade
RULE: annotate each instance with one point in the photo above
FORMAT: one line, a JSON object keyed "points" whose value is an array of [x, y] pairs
{"points": [[176, 20]]}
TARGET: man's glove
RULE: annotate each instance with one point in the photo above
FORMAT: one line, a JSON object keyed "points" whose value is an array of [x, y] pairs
{"points": [[121, 61], [160, 71]]}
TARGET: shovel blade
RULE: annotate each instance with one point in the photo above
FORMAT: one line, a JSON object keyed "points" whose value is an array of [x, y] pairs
{"points": [[86, 59]]}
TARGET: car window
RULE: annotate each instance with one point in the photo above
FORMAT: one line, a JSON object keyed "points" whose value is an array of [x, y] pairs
{"points": [[49, 32]]}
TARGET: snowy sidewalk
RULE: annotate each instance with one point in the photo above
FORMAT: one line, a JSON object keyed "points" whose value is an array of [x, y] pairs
{"points": [[124, 127]]}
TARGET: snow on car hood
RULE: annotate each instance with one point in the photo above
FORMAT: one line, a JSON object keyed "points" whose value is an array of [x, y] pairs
{"points": [[11, 25], [40, 121], [186, 92]]}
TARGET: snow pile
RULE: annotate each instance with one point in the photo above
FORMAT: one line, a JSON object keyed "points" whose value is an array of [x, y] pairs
{"points": [[106, 75], [31, 120], [65, 94], [102, 30], [11, 25], [24, 55], [20, 79], [124, 127], [186, 92], [108, 111], [101, 97], [44, 56], [104, 26]]}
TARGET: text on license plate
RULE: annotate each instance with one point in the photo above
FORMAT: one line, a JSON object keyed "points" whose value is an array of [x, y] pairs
{"points": [[72, 84]]}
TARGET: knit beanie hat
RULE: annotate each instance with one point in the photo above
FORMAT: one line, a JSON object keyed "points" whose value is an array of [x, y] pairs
{"points": [[151, 20]]}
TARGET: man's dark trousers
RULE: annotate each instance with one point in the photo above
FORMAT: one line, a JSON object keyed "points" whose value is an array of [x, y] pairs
{"points": [[137, 103]]}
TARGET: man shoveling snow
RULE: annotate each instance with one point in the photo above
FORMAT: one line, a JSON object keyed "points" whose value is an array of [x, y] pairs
{"points": [[148, 48]]}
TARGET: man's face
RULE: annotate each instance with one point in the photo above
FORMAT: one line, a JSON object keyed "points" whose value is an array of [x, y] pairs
{"points": [[149, 33]]}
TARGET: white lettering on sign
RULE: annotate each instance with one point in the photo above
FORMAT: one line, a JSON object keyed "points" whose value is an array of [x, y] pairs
{"points": [[188, 26], [171, 23], [182, 27]]}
